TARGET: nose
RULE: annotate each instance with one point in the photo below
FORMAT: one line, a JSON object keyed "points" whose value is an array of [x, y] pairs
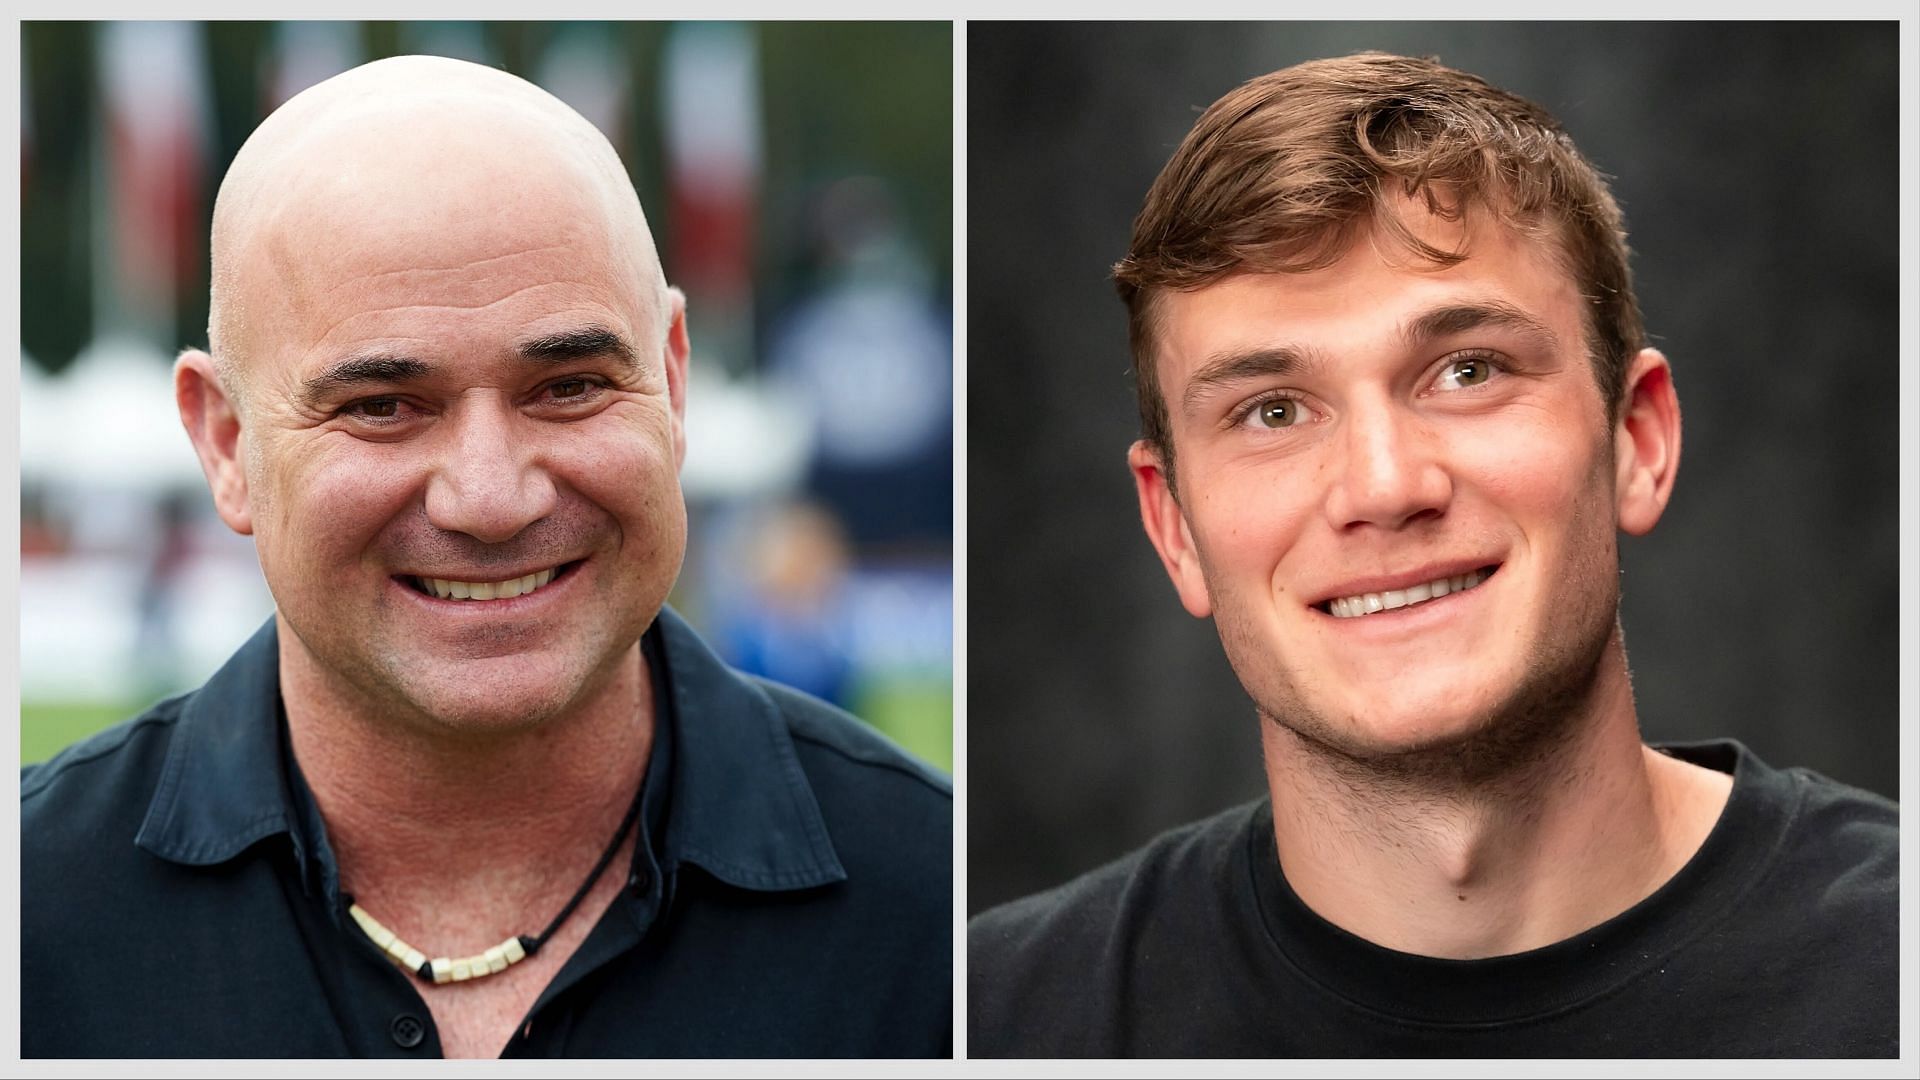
{"points": [[489, 482], [1389, 470]]}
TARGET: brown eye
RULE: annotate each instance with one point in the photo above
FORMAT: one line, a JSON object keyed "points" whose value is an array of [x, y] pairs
{"points": [[1278, 413], [569, 388], [379, 408]]}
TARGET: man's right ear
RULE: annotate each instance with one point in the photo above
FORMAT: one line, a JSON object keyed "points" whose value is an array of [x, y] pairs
{"points": [[213, 423], [1167, 528]]}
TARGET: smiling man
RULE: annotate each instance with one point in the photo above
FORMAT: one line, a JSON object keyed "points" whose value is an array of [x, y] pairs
{"points": [[1397, 407], [473, 790]]}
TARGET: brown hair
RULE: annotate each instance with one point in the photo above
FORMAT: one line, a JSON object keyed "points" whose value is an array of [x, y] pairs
{"points": [[1279, 175]]}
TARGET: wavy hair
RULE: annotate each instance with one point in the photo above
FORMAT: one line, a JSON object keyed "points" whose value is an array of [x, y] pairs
{"points": [[1281, 175]]}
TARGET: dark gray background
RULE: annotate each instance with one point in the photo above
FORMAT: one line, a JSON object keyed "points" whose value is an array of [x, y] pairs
{"points": [[1757, 164]]}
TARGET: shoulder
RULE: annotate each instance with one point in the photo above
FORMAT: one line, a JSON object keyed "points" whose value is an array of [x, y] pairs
{"points": [[1811, 870], [848, 751], [871, 791], [1844, 843], [880, 937], [1085, 912], [80, 813], [93, 789], [1823, 834], [842, 756], [1064, 953], [1859, 818], [1824, 906]]}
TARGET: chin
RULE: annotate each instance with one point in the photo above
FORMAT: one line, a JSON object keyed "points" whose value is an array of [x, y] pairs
{"points": [[1460, 736], [1380, 733], [510, 681], [490, 715], [492, 699]]}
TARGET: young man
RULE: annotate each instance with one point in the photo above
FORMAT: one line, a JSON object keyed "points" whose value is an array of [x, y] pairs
{"points": [[1396, 406]]}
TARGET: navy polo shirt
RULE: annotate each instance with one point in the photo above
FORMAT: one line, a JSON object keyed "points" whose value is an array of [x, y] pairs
{"points": [[791, 893]]}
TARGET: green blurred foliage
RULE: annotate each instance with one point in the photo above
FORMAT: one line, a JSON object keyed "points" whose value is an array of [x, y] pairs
{"points": [[916, 713], [48, 728]]}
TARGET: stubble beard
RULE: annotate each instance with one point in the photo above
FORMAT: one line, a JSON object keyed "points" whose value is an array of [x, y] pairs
{"points": [[1510, 749], [1506, 752]]}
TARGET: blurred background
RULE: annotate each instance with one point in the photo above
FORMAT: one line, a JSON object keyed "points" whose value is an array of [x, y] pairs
{"points": [[798, 178], [1758, 168]]}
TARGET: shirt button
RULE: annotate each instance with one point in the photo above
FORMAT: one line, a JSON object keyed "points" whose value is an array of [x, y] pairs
{"points": [[638, 879], [407, 1030]]}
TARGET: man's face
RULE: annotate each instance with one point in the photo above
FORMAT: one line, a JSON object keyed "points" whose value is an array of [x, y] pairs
{"points": [[1350, 444], [460, 380]]}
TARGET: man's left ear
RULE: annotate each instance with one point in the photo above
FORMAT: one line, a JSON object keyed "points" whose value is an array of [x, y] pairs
{"points": [[675, 357], [1646, 442]]}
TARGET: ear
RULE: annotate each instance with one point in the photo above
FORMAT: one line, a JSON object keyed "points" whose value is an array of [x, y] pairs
{"points": [[678, 348], [1646, 443], [213, 424], [1166, 526]]}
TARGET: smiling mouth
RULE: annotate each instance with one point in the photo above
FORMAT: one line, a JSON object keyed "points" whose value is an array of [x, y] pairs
{"points": [[450, 589], [1353, 607]]}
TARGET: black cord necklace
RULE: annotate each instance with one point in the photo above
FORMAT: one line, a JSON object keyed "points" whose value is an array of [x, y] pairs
{"points": [[502, 956]]}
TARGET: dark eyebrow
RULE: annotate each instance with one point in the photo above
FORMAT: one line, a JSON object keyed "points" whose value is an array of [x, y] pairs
{"points": [[1459, 318], [1286, 361], [1228, 368], [577, 345], [373, 368], [360, 370]]}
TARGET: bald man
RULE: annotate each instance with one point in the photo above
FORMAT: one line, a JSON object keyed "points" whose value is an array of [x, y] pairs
{"points": [[473, 790]]}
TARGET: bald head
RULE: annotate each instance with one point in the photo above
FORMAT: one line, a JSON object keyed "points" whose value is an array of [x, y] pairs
{"points": [[413, 164]]}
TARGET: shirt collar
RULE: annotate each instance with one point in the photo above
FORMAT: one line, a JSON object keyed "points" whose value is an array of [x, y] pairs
{"points": [[222, 788], [741, 806]]}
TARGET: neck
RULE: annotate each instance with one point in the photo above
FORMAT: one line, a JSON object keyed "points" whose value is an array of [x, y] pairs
{"points": [[519, 814], [1467, 868]]}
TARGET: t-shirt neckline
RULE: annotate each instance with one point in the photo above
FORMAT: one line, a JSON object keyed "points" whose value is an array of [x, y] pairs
{"points": [[1549, 980]]}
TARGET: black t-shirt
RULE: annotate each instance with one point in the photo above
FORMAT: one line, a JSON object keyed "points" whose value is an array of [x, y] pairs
{"points": [[1778, 939]]}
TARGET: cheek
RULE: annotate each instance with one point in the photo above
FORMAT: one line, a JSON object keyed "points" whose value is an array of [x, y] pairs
{"points": [[619, 440], [1556, 496], [332, 495], [625, 465], [1534, 468], [1250, 517]]}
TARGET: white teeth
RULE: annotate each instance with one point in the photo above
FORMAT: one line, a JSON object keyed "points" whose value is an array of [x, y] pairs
{"points": [[447, 589], [1348, 607]]}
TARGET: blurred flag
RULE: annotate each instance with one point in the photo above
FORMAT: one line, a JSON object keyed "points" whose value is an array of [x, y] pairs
{"points": [[712, 91], [157, 118]]}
